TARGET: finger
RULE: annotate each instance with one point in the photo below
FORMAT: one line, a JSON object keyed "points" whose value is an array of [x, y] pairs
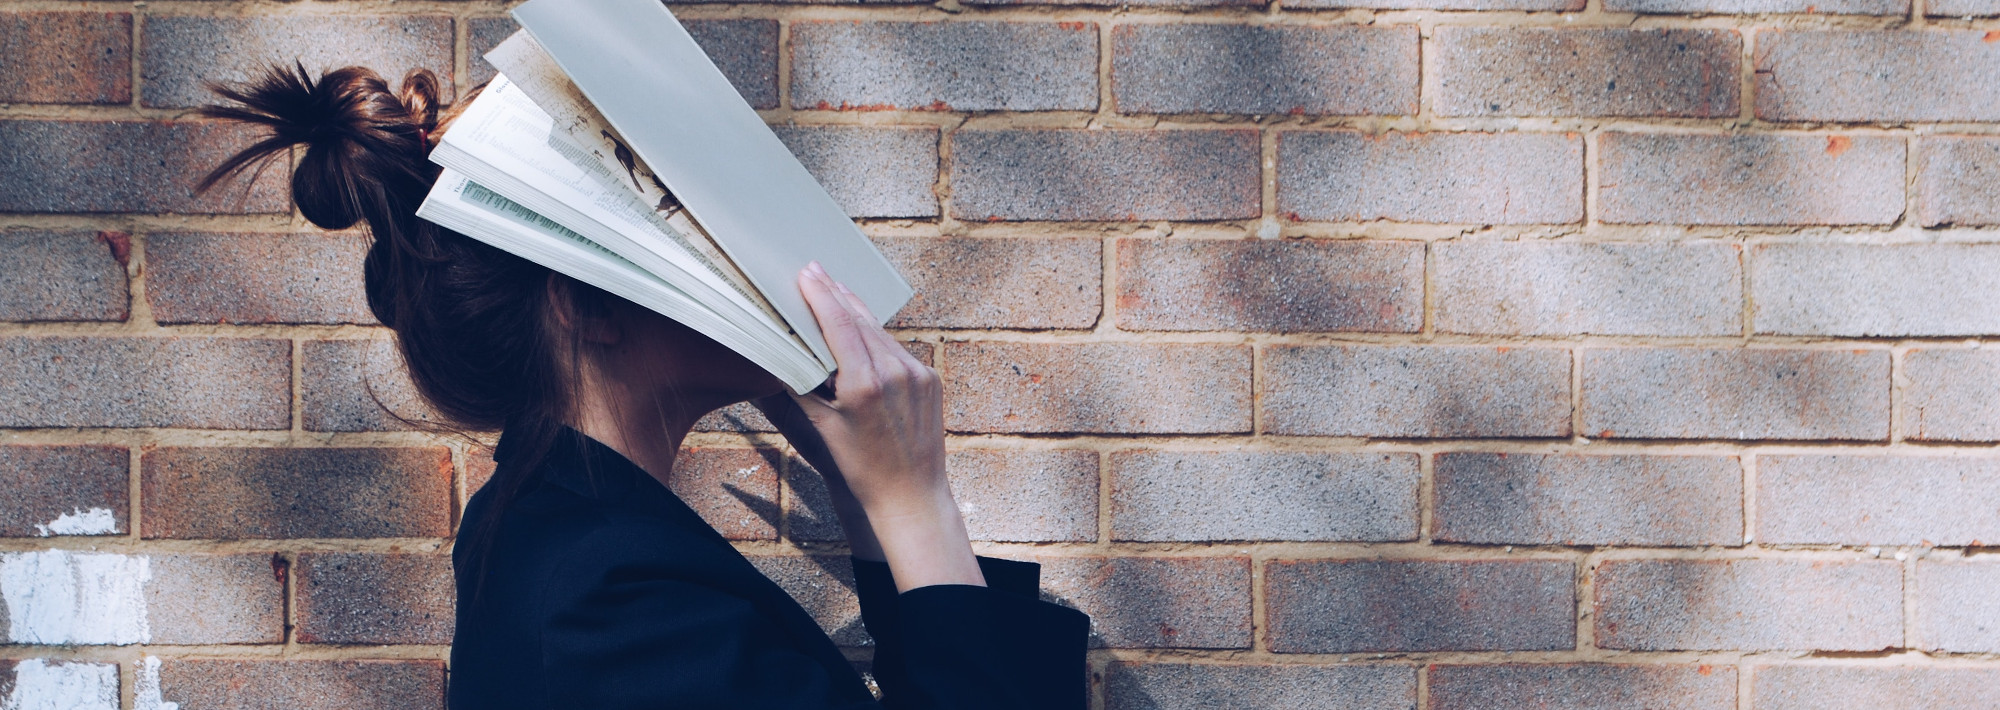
{"points": [[884, 346], [840, 326]]}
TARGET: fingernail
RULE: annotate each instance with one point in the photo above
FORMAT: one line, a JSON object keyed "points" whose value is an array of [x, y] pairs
{"points": [[842, 287], [816, 269]]}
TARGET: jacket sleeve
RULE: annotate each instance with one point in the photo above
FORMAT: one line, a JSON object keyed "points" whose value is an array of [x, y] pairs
{"points": [[961, 647]]}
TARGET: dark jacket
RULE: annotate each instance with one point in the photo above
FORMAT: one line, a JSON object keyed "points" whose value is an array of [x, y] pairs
{"points": [[601, 589]]}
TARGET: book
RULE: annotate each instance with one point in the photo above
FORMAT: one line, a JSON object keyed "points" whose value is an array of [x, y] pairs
{"points": [[611, 149]]}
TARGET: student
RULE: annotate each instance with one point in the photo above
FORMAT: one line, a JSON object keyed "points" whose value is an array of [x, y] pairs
{"points": [[583, 582]]}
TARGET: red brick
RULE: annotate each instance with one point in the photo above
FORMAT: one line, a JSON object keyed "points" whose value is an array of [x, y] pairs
{"points": [[1264, 69], [1754, 179], [256, 278], [1958, 181], [1799, 394], [200, 492], [1276, 286], [357, 385], [1565, 499], [811, 516], [1415, 391], [58, 276], [1096, 387], [1948, 395], [1457, 178], [1155, 602], [1854, 687], [372, 598], [1500, 5], [1131, 3], [219, 684], [1104, 175], [1750, 605], [1956, 610], [944, 66], [1877, 500], [1538, 288], [179, 53], [824, 585], [1198, 496], [1583, 686], [1871, 75], [1200, 686], [739, 417], [46, 484], [479, 468], [129, 166], [1518, 71], [195, 382], [1745, 7], [1004, 495], [1345, 606], [1007, 282], [213, 599], [734, 489], [1876, 290], [65, 57]]}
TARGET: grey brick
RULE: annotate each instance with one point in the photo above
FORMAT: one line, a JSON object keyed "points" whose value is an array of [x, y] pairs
{"points": [[1873, 75], [1759, 7], [212, 599], [1958, 180], [194, 382], [1026, 496], [482, 34], [1539, 288], [47, 483], [734, 489], [1199, 496], [1876, 290], [1096, 387], [871, 172], [1850, 687], [1265, 285], [1200, 686], [1131, 3], [1415, 391], [739, 417], [179, 54], [357, 385], [1264, 69], [1956, 610], [1564, 499], [1949, 395], [129, 166], [298, 684], [270, 493], [55, 276], [1155, 602], [1004, 282], [824, 585], [747, 53], [944, 66], [1359, 606], [1639, 393], [256, 278], [1961, 8], [1877, 500], [1105, 175], [1498, 5], [1583, 686], [1465, 178], [65, 57], [1749, 179], [374, 598], [1750, 605], [1517, 71]]}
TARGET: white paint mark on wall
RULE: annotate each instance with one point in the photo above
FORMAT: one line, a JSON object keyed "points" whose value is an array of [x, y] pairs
{"points": [[146, 689], [55, 685], [96, 521], [63, 597]]}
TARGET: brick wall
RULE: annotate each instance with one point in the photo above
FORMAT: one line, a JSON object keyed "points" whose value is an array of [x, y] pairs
{"points": [[1358, 354]]}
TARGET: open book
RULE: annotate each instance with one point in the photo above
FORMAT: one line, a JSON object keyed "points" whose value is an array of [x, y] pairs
{"points": [[611, 149]]}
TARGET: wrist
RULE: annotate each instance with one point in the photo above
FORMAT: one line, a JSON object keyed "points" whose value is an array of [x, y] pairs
{"points": [[925, 542]]}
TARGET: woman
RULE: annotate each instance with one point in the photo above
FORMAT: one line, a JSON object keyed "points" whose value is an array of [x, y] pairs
{"points": [[582, 580]]}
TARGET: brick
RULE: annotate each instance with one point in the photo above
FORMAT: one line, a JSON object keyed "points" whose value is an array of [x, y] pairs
{"points": [[1502, 5], [1155, 602], [871, 171], [944, 66], [739, 417], [1131, 3], [256, 493], [1961, 8], [479, 468], [51, 683], [182, 382], [64, 490], [1877, 500], [357, 385], [811, 516], [178, 53], [1643, 393], [1958, 180], [1750, 605], [1748, 7], [212, 599], [734, 489], [1198, 496], [1515, 71], [1105, 175], [58, 276], [482, 34], [1038, 284], [824, 585], [129, 166], [65, 57], [1343, 606], [1461, 178], [1876, 290], [1540, 288], [218, 684], [59, 597], [1096, 387], [1956, 610], [1896, 75], [1583, 686], [1753, 179], [1198, 686], [1566, 499], [1415, 391], [1004, 496], [1272, 286], [1849, 687], [1947, 395], [1264, 69], [747, 53], [372, 598], [256, 278]]}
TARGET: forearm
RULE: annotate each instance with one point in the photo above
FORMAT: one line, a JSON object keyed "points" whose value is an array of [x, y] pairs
{"points": [[923, 538]]}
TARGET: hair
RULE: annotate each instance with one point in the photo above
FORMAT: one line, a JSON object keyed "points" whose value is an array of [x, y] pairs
{"points": [[482, 332]]}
